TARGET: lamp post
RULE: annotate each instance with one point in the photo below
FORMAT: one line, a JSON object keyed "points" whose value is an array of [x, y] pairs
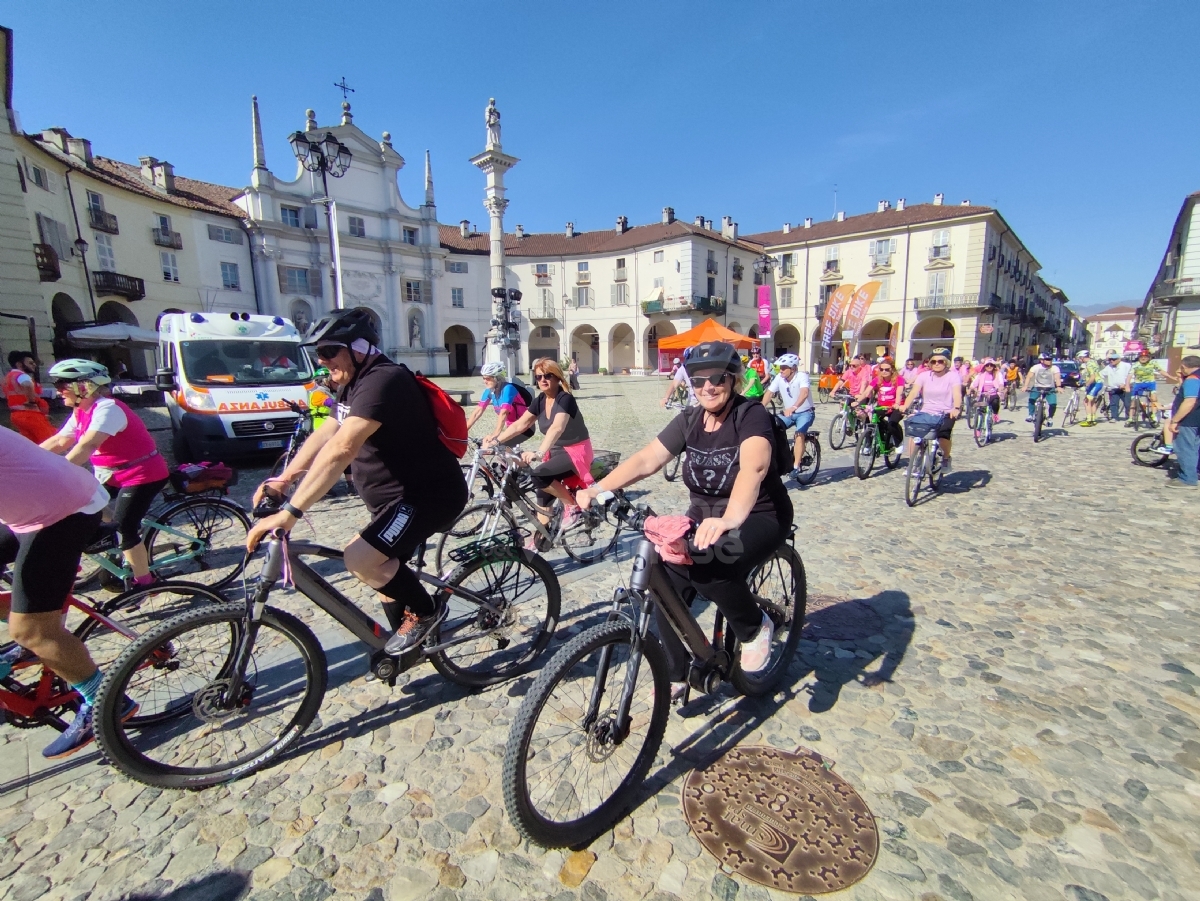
{"points": [[329, 156], [763, 267], [82, 246]]}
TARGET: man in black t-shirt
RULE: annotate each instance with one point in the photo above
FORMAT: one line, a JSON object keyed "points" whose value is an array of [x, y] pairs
{"points": [[410, 481]]}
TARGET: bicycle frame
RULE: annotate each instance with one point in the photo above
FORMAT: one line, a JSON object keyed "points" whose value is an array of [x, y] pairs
{"points": [[108, 559]]}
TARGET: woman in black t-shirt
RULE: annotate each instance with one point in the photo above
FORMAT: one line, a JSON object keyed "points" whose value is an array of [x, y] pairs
{"points": [[738, 500], [561, 424]]}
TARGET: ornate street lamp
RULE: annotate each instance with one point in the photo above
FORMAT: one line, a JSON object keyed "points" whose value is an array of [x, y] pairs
{"points": [[763, 267], [329, 156]]}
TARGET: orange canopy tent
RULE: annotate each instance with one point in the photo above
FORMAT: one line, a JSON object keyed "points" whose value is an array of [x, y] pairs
{"points": [[708, 330]]}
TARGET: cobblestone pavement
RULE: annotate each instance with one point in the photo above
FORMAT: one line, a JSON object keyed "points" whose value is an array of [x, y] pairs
{"points": [[1038, 738]]}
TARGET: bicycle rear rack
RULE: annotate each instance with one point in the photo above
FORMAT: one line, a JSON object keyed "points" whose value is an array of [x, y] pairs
{"points": [[499, 546]]}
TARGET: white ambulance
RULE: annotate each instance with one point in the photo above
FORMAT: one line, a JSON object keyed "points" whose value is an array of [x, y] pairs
{"points": [[226, 378]]}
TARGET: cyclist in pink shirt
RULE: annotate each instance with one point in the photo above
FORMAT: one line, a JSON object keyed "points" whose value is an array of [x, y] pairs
{"points": [[988, 386], [941, 396], [888, 388]]}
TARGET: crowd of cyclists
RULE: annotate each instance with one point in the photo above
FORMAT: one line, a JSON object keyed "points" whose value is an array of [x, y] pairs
{"points": [[377, 419]]}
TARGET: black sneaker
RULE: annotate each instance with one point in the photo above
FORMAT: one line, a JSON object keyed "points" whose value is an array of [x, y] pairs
{"points": [[412, 632]]}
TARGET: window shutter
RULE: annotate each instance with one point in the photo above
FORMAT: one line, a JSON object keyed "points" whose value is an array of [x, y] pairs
{"points": [[309, 217], [892, 245], [42, 229], [551, 269], [51, 186], [314, 282], [281, 271], [612, 295], [214, 233]]}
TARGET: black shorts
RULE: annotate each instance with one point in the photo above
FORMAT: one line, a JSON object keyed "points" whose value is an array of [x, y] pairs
{"points": [[46, 562], [133, 501], [402, 526]]}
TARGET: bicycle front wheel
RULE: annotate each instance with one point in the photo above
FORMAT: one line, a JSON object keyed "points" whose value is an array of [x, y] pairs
{"points": [[202, 539], [1039, 415], [865, 452], [571, 769], [781, 587], [477, 646], [838, 430], [189, 733], [592, 535], [1144, 450], [810, 463], [914, 474]]}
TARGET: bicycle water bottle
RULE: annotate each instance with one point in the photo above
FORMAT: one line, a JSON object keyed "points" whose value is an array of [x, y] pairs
{"points": [[642, 558]]}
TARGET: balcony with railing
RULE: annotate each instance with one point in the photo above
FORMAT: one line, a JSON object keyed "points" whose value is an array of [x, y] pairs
{"points": [[620, 274], [697, 303], [47, 263], [710, 266], [583, 277], [952, 302], [1170, 291], [819, 311], [541, 309], [939, 252], [102, 221], [832, 267], [165, 238], [542, 279], [128, 286], [738, 271]]}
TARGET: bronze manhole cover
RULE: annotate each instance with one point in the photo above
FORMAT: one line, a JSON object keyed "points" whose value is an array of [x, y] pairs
{"points": [[783, 820], [841, 619]]}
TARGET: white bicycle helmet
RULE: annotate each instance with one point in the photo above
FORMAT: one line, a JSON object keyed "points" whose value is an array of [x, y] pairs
{"points": [[791, 361], [78, 370], [492, 370]]}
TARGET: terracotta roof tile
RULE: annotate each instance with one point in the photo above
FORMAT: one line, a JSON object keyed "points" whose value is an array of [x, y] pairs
{"points": [[917, 214], [190, 193], [583, 243]]}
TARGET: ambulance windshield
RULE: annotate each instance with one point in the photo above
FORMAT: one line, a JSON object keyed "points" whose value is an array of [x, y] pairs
{"points": [[214, 361]]}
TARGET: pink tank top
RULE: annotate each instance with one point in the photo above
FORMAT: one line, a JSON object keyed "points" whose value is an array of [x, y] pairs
{"points": [[132, 443]]}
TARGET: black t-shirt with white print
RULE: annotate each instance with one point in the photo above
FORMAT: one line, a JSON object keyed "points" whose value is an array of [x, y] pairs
{"points": [[404, 458], [713, 461]]}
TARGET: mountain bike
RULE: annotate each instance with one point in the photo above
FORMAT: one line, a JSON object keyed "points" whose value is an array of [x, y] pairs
{"points": [[876, 441], [845, 423], [1071, 410], [591, 724], [200, 537], [1041, 411], [33, 695], [1142, 412], [591, 535], [245, 680], [925, 463], [1146, 450], [981, 423]]}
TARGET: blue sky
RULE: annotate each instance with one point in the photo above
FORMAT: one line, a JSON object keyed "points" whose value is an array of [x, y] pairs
{"points": [[1078, 121]]}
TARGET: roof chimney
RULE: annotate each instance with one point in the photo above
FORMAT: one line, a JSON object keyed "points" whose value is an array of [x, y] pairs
{"points": [[158, 173], [57, 136], [965, 203], [570, 232], [787, 228], [900, 205], [884, 206], [841, 216], [464, 228], [81, 149], [808, 222], [708, 224], [668, 215], [938, 198], [519, 231], [698, 222], [622, 225], [729, 228]]}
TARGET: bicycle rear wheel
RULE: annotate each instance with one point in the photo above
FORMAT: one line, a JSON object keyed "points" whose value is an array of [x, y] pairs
{"points": [[186, 734], [823, 394], [671, 470], [838, 430], [592, 535], [810, 463], [915, 474], [569, 776], [482, 647], [979, 428], [204, 541], [476, 522], [1144, 450], [865, 452], [781, 586], [1039, 415]]}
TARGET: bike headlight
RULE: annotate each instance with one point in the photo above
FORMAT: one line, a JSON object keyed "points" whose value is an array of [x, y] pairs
{"points": [[199, 401]]}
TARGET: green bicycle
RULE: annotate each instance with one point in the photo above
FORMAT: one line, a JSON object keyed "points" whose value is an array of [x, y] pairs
{"points": [[845, 423], [875, 441]]}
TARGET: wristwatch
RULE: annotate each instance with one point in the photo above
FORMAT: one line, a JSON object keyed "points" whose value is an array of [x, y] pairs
{"points": [[288, 507]]}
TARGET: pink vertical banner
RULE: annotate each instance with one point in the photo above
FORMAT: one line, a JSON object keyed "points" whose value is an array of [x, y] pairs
{"points": [[764, 311]]}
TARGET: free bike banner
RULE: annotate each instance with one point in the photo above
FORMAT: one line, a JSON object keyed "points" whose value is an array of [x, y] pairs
{"points": [[856, 313], [834, 309], [764, 311]]}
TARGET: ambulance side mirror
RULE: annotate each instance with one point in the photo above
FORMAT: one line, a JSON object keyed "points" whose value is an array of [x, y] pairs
{"points": [[164, 380]]}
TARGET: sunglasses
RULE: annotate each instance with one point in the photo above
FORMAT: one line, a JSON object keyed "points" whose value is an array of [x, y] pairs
{"points": [[329, 351], [937, 362], [544, 376], [885, 368], [699, 381], [63, 383]]}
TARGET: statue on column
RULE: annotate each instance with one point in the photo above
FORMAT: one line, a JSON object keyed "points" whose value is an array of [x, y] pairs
{"points": [[414, 332], [492, 116]]}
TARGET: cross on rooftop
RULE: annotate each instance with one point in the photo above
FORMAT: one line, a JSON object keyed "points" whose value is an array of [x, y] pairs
{"points": [[343, 87]]}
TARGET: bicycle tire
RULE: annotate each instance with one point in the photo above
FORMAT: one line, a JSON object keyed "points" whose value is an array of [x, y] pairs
{"points": [[838, 430], [979, 428], [469, 527], [217, 566], [1144, 450], [519, 751], [865, 452], [810, 463], [491, 670], [1039, 416], [121, 743], [987, 428], [787, 613], [915, 474], [671, 470], [593, 534], [822, 394]]}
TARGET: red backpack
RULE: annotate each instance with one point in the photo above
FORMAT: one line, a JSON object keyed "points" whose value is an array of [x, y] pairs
{"points": [[450, 417]]}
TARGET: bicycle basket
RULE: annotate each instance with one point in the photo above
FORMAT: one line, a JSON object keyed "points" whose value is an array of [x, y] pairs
{"points": [[921, 425], [193, 478], [499, 545], [604, 462]]}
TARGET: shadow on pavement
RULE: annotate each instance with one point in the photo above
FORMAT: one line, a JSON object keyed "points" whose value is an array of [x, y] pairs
{"points": [[49, 772], [226, 886], [960, 481]]}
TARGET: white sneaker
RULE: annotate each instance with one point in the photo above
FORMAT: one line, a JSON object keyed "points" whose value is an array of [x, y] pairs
{"points": [[945, 465], [757, 652]]}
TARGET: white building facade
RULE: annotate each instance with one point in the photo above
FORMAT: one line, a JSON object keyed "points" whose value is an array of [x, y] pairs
{"points": [[1169, 317]]}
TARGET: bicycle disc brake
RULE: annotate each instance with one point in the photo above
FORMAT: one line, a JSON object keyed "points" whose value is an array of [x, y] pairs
{"points": [[211, 705]]}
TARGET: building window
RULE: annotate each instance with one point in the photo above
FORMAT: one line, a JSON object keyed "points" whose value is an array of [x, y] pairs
{"points": [[832, 259], [734, 298], [40, 177], [583, 297], [54, 233], [619, 297], [412, 292], [230, 279], [358, 227], [941, 245], [785, 298], [170, 266], [658, 256], [787, 266], [410, 235], [882, 295], [582, 267], [290, 215], [620, 262], [882, 250], [95, 202], [826, 292], [224, 235], [104, 252], [937, 283], [711, 285], [456, 266], [658, 282], [295, 280], [541, 269], [456, 297]]}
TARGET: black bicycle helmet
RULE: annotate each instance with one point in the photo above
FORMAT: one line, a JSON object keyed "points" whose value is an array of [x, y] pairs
{"points": [[342, 327], [714, 355]]}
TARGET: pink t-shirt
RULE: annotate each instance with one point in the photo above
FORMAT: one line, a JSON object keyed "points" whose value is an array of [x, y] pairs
{"points": [[937, 392], [856, 379], [40, 487], [988, 383], [887, 392]]}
